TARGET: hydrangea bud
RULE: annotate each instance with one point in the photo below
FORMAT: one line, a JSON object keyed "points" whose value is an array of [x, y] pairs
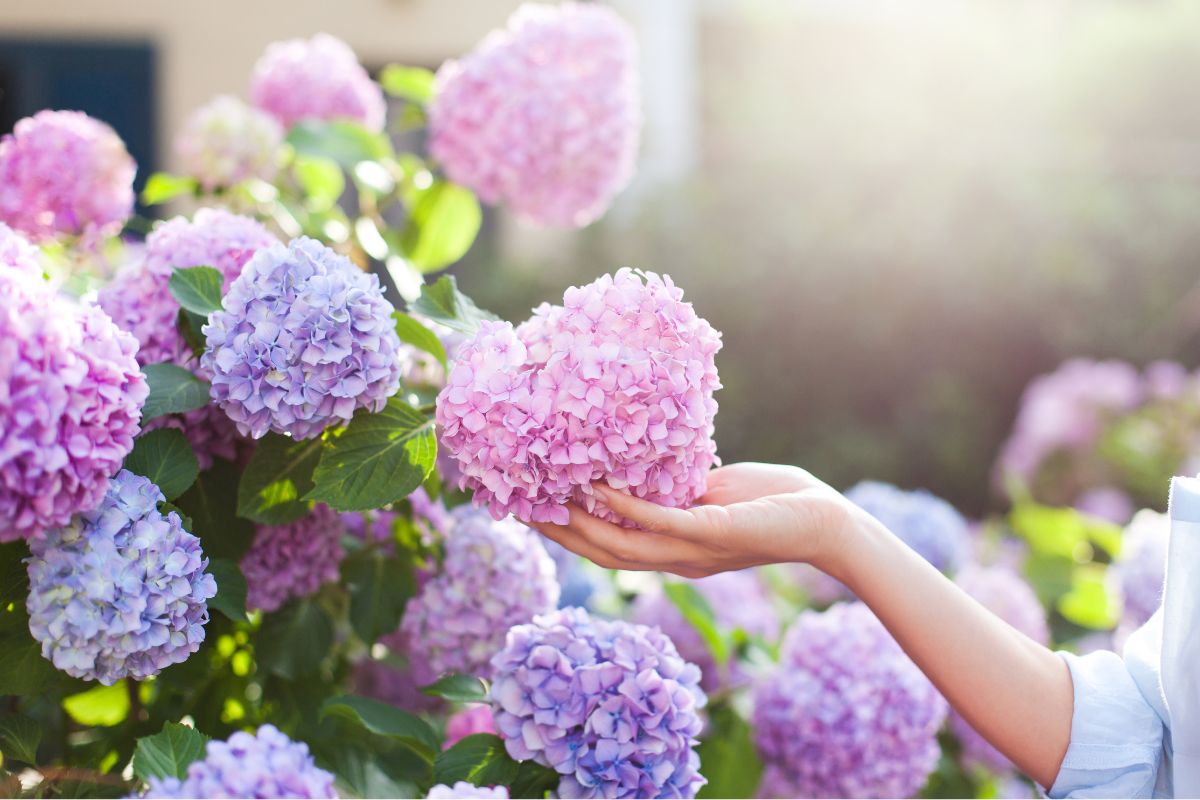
{"points": [[316, 79], [121, 591], [544, 115], [463, 790], [293, 560], [262, 764], [70, 399], [925, 522], [226, 142], [65, 173], [846, 713], [302, 341], [609, 705], [457, 627], [616, 383]]}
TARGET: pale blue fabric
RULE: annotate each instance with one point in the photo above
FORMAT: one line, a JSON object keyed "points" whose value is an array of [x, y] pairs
{"points": [[1136, 726]]}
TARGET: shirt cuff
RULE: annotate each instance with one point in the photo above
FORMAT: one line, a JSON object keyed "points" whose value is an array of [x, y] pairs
{"points": [[1184, 504]]}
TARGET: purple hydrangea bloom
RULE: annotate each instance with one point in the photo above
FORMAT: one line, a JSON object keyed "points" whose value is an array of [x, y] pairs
{"points": [[581, 583], [846, 713], [609, 705], [1140, 569], [739, 600], [17, 253], [393, 683], [303, 340], [616, 383], [475, 718], [544, 116], [225, 142], [316, 79], [293, 560], [1007, 595], [923, 521], [462, 789], [121, 591], [262, 764], [70, 399], [454, 623], [65, 173], [1107, 503]]}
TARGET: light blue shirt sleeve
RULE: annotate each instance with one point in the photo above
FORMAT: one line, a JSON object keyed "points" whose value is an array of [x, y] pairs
{"points": [[1116, 744]]}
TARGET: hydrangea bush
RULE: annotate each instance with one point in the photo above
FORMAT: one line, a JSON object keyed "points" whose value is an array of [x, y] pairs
{"points": [[926, 523]]}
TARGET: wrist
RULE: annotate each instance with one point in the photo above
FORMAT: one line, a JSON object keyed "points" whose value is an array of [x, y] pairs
{"points": [[845, 552]]}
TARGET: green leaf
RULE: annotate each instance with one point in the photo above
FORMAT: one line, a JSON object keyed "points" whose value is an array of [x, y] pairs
{"points": [[103, 705], [14, 578], [696, 610], [23, 670], [379, 459], [165, 457], [173, 390], [533, 781], [19, 738], [371, 240], [347, 143], [320, 179], [442, 226], [209, 504], [458, 689], [1089, 603], [293, 641], [168, 753], [197, 289], [379, 586], [231, 588], [412, 332], [728, 757], [479, 759], [278, 475], [414, 84], [385, 720], [442, 302], [163, 186]]}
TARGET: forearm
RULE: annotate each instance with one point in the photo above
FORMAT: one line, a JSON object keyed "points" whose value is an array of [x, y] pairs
{"points": [[1014, 691]]}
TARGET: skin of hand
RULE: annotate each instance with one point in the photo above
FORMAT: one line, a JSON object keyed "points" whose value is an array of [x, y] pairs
{"points": [[1014, 691]]}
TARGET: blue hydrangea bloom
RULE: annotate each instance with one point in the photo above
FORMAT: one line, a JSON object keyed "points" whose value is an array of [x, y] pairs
{"points": [[925, 522], [121, 591]]}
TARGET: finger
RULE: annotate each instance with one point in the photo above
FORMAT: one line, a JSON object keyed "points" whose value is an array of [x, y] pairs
{"points": [[580, 546], [631, 545], [646, 515]]}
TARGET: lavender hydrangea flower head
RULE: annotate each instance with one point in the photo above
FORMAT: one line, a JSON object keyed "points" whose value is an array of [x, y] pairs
{"points": [[739, 600], [475, 718], [1007, 595], [609, 705], [925, 522], [617, 383], [544, 115], [226, 142], [17, 253], [1139, 570], [293, 560], [1107, 503], [121, 591], [846, 713], [64, 173], [393, 684], [262, 764], [316, 79], [302, 341], [462, 789], [456, 626], [70, 399]]}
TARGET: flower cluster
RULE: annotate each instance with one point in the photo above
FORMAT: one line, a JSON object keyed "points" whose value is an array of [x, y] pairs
{"points": [[544, 116], [293, 560], [393, 683], [925, 522], [64, 173], [462, 790], [609, 705], [846, 713], [17, 253], [739, 600], [581, 583], [304, 339], [1007, 595], [617, 383], [1140, 569], [262, 764], [316, 79], [70, 399], [475, 718], [226, 142], [122, 590], [455, 622]]}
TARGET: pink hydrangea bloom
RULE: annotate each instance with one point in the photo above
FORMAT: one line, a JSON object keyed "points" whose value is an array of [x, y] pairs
{"points": [[71, 396], [316, 79], [475, 718], [226, 142], [544, 115], [293, 560], [17, 253], [65, 173], [616, 383]]}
